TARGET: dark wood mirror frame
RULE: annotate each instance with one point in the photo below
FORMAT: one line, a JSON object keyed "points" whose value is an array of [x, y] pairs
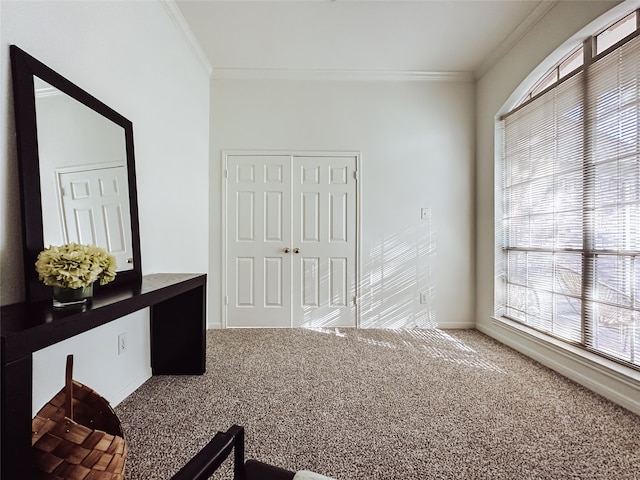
{"points": [[24, 69]]}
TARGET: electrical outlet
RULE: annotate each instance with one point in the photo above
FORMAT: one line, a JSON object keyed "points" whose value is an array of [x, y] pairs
{"points": [[122, 343], [424, 297]]}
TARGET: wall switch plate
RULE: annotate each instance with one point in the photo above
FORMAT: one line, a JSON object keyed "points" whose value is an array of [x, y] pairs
{"points": [[425, 213], [424, 297], [122, 343]]}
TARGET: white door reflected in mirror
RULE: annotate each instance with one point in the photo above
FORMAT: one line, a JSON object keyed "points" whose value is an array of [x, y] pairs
{"points": [[93, 202], [83, 176]]}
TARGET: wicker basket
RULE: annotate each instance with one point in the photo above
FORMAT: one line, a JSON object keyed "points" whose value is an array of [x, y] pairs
{"points": [[77, 436]]}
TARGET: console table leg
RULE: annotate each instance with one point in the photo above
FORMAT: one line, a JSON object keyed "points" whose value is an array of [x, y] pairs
{"points": [[17, 394], [178, 334]]}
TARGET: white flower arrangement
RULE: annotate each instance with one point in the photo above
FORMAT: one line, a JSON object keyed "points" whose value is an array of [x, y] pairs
{"points": [[75, 266]]}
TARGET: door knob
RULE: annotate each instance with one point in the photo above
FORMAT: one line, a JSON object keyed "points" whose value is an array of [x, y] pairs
{"points": [[296, 250], [286, 249]]}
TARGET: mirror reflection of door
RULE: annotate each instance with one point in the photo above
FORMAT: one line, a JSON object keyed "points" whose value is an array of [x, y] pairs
{"points": [[82, 154], [94, 201]]}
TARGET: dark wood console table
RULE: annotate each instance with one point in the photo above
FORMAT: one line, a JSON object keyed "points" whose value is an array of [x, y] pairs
{"points": [[177, 308]]}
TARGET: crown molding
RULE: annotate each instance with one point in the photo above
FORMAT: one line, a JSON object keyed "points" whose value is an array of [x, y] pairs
{"points": [[182, 25], [544, 7], [338, 75], [49, 91]]}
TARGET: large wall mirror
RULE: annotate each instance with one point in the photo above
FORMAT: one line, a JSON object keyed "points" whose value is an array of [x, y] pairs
{"points": [[77, 172]]}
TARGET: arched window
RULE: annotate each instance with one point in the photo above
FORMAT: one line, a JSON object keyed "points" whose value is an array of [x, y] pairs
{"points": [[571, 199]]}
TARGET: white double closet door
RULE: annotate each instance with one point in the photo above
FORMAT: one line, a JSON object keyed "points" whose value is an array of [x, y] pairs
{"points": [[291, 241]]}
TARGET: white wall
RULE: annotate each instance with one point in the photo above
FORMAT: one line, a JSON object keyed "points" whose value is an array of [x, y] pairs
{"points": [[416, 141], [130, 55], [563, 28], [96, 362]]}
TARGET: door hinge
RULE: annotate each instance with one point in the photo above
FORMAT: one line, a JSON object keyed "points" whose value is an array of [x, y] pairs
{"points": [[355, 300], [226, 173], [226, 300], [355, 174]]}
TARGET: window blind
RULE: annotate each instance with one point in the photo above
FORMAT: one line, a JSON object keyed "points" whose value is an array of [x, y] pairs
{"points": [[571, 203]]}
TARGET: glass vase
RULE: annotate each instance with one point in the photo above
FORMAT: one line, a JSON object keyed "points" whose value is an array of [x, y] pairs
{"points": [[65, 297]]}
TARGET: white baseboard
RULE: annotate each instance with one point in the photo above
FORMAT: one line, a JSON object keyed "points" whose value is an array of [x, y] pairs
{"points": [[456, 325], [129, 388], [613, 381], [442, 326]]}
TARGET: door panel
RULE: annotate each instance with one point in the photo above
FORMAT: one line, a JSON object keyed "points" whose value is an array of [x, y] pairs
{"points": [[245, 216], [311, 216], [310, 282], [273, 222], [259, 208], [339, 284], [83, 227], [291, 241], [245, 278], [324, 207], [274, 281]]}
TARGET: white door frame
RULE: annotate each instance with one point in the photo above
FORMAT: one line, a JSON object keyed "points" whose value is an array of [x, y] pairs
{"points": [[294, 153]]}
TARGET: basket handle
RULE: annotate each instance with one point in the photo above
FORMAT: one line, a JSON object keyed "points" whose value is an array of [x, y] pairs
{"points": [[68, 388]]}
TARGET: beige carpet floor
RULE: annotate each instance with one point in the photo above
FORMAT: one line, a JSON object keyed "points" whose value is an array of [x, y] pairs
{"points": [[381, 404]]}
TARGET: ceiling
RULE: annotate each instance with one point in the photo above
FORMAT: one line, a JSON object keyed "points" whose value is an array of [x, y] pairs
{"points": [[359, 36]]}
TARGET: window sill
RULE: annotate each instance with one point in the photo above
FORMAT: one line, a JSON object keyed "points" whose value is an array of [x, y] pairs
{"points": [[616, 382]]}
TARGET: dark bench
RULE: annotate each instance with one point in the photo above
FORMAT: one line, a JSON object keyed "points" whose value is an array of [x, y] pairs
{"points": [[214, 453]]}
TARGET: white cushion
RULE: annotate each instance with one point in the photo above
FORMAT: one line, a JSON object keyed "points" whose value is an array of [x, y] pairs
{"points": [[307, 475]]}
